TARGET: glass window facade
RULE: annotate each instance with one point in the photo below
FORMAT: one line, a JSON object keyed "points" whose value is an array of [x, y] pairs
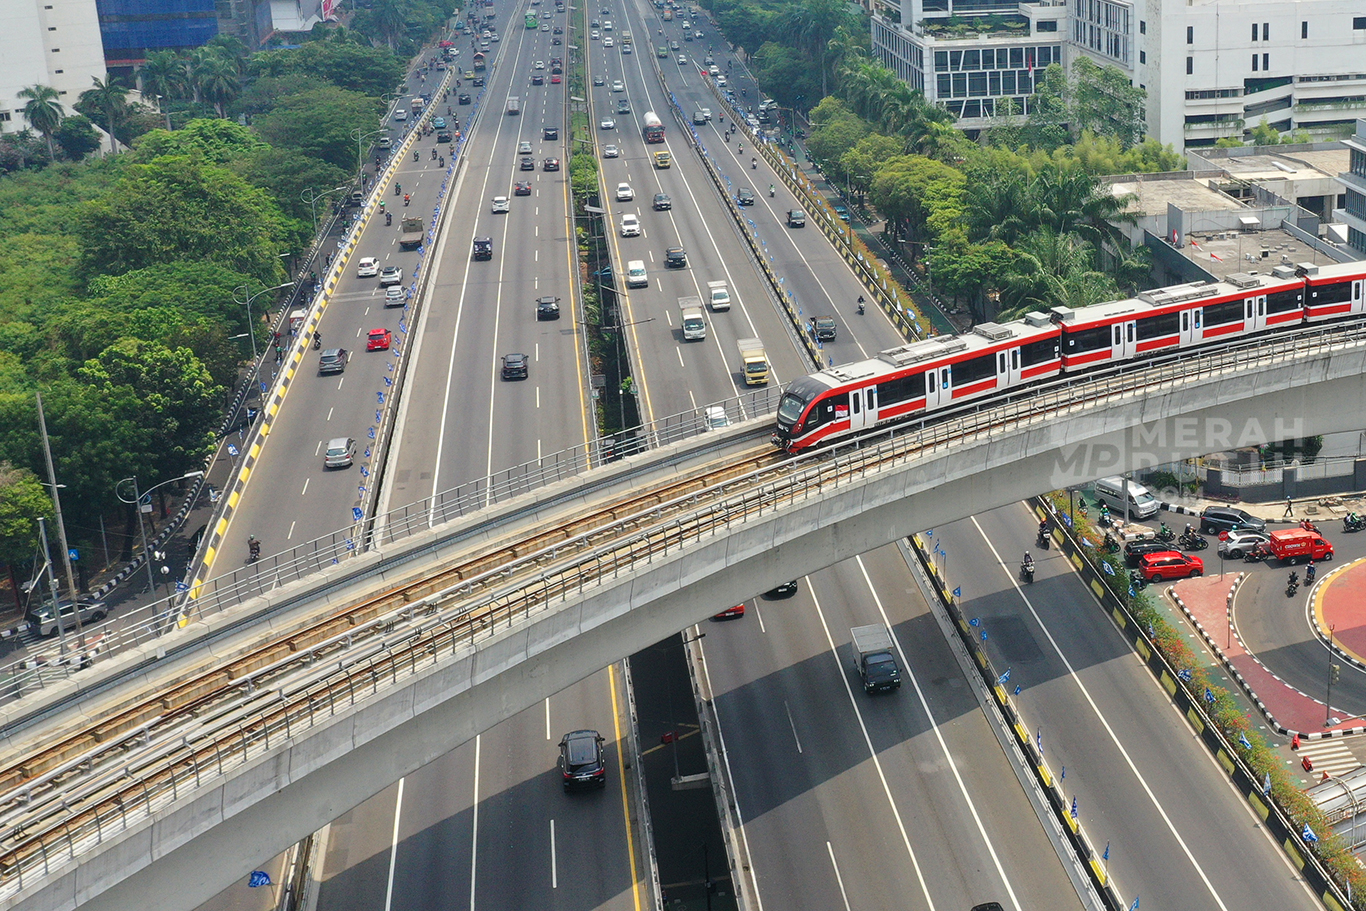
{"points": [[131, 29], [968, 81]]}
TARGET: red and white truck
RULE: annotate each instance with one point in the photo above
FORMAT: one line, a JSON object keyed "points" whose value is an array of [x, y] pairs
{"points": [[1296, 545]]}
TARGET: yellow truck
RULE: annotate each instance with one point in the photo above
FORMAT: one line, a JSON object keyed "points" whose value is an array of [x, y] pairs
{"points": [[663, 160], [754, 360]]}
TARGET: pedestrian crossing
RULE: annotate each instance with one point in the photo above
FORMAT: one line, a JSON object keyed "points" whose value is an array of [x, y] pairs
{"points": [[1331, 756]]}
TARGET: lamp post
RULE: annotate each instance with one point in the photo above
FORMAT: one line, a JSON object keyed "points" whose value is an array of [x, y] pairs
{"points": [[251, 320], [361, 135], [137, 504], [311, 196]]}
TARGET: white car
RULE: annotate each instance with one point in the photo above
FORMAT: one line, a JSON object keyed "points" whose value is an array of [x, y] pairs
{"points": [[400, 114], [524, 147], [607, 42], [594, 36], [714, 418], [630, 225], [617, 86], [394, 296], [392, 275], [706, 112], [714, 70], [540, 64], [625, 193], [608, 123], [500, 204], [611, 152], [721, 81], [368, 267], [682, 59]]}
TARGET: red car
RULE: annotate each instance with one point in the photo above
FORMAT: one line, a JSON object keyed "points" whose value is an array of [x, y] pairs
{"points": [[555, 79], [521, 188], [378, 340], [1169, 564], [731, 613]]}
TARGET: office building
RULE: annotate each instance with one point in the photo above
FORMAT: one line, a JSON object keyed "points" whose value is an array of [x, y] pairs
{"points": [[47, 42]]}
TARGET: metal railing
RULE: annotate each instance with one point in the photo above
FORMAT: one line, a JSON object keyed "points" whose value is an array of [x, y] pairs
{"points": [[52, 820]]}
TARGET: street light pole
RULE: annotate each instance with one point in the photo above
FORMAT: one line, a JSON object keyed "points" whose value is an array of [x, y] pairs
{"points": [[251, 320], [57, 506], [142, 530]]}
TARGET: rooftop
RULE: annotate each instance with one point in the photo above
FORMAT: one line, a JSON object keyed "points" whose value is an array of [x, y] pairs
{"points": [[1187, 190], [1222, 253]]}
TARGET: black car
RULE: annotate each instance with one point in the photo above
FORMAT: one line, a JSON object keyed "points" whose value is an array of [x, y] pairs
{"points": [[662, 202], [786, 590], [528, 163], [582, 763], [824, 327], [515, 366], [537, 79], [744, 197], [478, 82], [550, 133], [483, 248], [551, 164], [443, 136], [1135, 550], [1225, 518], [463, 98], [598, 80], [333, 360], [548, 307], [675, 257]]}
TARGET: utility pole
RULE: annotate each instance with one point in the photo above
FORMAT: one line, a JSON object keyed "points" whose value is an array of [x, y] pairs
{"points": [[52, 577], [61, 526]]}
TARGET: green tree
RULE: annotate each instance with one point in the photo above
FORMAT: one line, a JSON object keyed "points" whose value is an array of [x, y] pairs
{"points": [[23, 499], [178, 404], [787, 71], [391, 20], [320, 123], [1047, 126], [77, 137], [969, 273], [107, 104], [867, 157], [216, 141], [215, 77], [1104, 102], [291, 177], [163, 73], [178, 209], [345, 64], [834, 129], [43, 112]]}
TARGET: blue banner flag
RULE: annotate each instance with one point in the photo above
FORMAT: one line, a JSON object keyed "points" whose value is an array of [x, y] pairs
{"points": [[984, 635], [1106, 855], [1243, 742], [1209, 697], [958, 592], [975, 621], [1266, 785], [1017, 689], [1308, 834], [1074, 808], [1004, 677], [259, 878], [1185, 675], [1134, 906]]}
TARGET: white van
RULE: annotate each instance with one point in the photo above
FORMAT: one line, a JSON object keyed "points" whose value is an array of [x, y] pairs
{"points": [[1141, 502], [635, 274]]}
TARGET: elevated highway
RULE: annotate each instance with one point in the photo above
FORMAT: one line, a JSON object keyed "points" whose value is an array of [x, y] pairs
{"points": [[182, 761]]}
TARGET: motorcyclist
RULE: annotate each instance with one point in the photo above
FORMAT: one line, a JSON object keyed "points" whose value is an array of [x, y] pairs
{"points": [[441, 161], [414, 154], [770, 190], [1028, 563], [253, 549], [433, 154], [398, 188], [406, 199], [1309, 572], [1293, 581], [317, 340], [742, 148], [1043, 528], [388, 218], [753, 162]]}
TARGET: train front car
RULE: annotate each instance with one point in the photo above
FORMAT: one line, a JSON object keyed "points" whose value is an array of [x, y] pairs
{"points": [[794, 410]]}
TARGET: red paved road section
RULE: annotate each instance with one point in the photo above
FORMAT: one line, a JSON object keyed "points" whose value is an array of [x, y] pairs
{"points": [[1340, 602], [1205, 601]]}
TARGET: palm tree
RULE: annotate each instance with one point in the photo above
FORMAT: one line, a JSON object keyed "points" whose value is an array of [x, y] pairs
{"points": [[163, 74], [43, 112], [391, 18], [110, 101], [215, 79]]}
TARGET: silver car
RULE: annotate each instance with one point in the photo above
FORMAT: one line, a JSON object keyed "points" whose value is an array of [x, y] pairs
{"points": [[340, 453]]}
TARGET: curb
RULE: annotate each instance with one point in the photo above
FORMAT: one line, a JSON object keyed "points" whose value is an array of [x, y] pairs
{"points": [[1242, 682]]}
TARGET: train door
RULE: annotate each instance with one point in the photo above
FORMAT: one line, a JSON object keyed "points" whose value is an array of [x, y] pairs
{"points": [[1122, 344], [1254, 313], [1007, 368], [937, 388], [1358, 296], [862, 407], [1190, 326]]}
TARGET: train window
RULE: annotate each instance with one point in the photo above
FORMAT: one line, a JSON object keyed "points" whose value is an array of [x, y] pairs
{"points": [[970, 371], [902, 389], [1227, 312], [1285, 301], [1339, 293], [944, 379], [1119, 336], [1083, 341], [1158, 326], [1014, 358], [1129, 330], [1002, 367], [1040, 352], [1185, 320], [822, 413]]}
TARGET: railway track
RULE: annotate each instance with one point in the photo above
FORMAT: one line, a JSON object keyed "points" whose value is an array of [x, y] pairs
{"points": [[73, 791]]}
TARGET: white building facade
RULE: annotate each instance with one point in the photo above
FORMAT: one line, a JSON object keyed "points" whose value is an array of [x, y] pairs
{"points": [[1211, 68], [47, 42], [1353, 180]]}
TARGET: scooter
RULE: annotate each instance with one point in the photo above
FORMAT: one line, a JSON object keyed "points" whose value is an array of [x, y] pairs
{"points": [[1043, 539], [1027, 570], [1165, 534], [253, 550], [1193, 541], [388, 218], [317, 342], [753, 163], [1292, 585]]}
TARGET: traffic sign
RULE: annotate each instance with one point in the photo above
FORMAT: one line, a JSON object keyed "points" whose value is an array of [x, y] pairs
{"points": [[74, 554]]}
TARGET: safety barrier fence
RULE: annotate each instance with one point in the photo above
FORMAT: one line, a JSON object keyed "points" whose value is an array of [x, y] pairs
{"points": [[51, 821]]}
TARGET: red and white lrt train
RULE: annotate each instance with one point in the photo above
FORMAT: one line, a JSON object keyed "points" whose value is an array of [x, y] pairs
{"points": [[936, 373]]}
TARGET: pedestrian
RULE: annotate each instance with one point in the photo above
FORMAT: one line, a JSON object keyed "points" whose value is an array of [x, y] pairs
{"points": [[1289, 508]]}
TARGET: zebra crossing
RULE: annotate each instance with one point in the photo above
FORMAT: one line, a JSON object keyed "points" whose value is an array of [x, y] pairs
{"points": [[1331, 756]]}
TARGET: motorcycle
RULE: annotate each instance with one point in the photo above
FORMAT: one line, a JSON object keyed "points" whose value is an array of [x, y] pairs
{"points": [[317, 342], [860, 308], [388, 218], [1292, 585], [253, 550], [770, 191], [1027, 570], [1136, 580], [1110, 544], [754, 164], [1352, 522], [1043, 539], [1193, 541], [1165, 534], [414, 155]]}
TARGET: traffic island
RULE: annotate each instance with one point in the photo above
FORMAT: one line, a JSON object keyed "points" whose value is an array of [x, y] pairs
{"points": [[1339, 602]]}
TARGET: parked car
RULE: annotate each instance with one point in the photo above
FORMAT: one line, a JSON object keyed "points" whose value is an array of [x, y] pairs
{"points": [[1215, 519]]}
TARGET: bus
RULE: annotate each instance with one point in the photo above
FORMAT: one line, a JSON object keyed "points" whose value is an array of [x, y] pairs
{"points": [[531, 20], [653, 127]]}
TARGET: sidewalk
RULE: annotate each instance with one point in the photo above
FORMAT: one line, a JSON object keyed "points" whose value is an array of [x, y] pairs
{"points": [[1205, 602]]}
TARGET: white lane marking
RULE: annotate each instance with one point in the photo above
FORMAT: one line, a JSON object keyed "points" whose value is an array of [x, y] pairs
{"points": [[793, 724], [939, 737], [1086, 694], [872, 752], [838, 878], [393, 849], [538, 396], [318, 449], [759, 615], [554, 871], [474, 821], [290, 536], [304, 492], [329, 412], [547, 718], [680, 358]]}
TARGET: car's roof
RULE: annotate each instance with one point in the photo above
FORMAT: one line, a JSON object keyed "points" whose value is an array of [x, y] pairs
{"points": [[1163, 555], [378, 331], [338, 442]]}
